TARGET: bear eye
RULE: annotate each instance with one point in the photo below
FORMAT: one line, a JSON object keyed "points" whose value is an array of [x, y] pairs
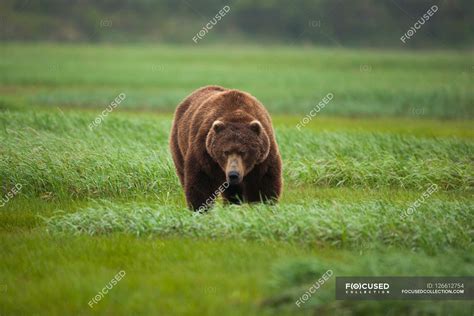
{"points": [[227, 153]]}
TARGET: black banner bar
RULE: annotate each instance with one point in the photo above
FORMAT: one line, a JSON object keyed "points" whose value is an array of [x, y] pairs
{"points": [[404, 288]]}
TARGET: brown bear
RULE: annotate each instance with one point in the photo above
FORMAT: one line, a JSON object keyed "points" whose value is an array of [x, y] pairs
{"points": [[222, 140]]}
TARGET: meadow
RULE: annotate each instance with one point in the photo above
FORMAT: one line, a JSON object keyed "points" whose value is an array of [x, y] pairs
{"points": [[93, 203]]}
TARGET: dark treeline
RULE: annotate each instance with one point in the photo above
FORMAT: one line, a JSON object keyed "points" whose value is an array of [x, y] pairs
{"points": [[377, 23]]}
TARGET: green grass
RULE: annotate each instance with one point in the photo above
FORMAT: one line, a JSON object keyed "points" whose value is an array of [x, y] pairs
{"points": [[183, 276], [435, 227], [285, 79], [94, 203], [97, 202], [55, 154]]}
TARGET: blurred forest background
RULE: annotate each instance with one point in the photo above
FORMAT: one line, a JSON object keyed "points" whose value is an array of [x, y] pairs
{"points": [[368, 23]]}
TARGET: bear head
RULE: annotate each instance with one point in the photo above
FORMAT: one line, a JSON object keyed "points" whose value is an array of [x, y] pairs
{"points": [[237, 146]]}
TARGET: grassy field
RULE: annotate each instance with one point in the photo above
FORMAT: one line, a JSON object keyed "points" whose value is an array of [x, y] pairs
{"points": [[93, 203], [285, 79]]}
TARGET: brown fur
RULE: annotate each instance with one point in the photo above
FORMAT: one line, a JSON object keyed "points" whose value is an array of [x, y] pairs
{"points": [[216, 131]]}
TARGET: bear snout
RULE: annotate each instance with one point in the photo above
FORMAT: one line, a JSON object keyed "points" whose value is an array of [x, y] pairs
{"points": [[233, 177], [234, 170]]}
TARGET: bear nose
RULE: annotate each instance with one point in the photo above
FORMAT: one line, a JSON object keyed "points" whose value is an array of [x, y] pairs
{"points": [[233, 177]]}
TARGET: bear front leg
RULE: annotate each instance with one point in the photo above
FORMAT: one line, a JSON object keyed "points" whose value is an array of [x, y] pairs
{"points": [[233, 194], [199, 188], [264, 188]]}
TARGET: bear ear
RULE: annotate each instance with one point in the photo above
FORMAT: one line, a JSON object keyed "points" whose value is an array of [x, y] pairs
{"points": [[256, 126], [218, 126]]}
